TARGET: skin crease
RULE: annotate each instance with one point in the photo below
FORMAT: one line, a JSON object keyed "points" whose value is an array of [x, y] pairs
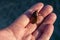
{"points": [[22, 29]]}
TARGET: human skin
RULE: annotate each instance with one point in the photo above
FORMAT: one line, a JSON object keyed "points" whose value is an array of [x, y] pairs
{"points": [[22, 29]]}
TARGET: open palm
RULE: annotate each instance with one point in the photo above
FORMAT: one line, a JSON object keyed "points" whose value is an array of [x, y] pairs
{"points": [[23, 29]]}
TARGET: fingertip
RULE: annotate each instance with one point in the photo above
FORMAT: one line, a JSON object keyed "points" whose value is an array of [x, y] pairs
{"points": [[50, 7], [55, 16], [46, 10], [40, 3], [37, 6], [50, 19]]}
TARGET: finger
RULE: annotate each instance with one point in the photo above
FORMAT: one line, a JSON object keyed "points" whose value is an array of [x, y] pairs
{"points": [[23, 20], [44, 12], [47, 33], [39, 31], [50, 19], [37, 6]]}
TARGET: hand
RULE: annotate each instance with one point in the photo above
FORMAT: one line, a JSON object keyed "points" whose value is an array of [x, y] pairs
{"points": [[22, 29]]}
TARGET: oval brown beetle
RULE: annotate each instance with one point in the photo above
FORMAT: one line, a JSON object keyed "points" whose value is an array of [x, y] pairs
{"points": [[34, 17]]}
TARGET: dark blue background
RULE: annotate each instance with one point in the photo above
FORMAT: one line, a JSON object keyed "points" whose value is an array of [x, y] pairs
{"points": [[11, 9]]}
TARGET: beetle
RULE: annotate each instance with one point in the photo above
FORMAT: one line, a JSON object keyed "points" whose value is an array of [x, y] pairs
{"points": [[34, 17]]}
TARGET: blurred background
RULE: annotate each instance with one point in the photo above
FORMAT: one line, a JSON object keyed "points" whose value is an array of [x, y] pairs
{"points": [[12, 9]]}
